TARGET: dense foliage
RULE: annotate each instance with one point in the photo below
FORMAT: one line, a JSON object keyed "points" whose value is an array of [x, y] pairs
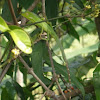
{"points": [[49, 49]]}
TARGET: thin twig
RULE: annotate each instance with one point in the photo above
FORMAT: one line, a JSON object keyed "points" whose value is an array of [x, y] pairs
{"points": [[48, 88], [9, 23], [5, 68], [63, 6], [65, 83], [4, 71], [43, 8], [12, 12], [33, 5], [59, 17], [77, 92], [10, 48], [53, 69], [68, 16]]}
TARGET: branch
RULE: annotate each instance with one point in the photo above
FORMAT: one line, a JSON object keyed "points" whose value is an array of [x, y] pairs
{"points": [[48, 88], [54, 73], [50, 55], [33, 5], [24, 20], [46, 20], [5, 68], [12, 12], [43, 8], [4, 71], [30, 71], [9, 23], [76, 92], [63, 6]]}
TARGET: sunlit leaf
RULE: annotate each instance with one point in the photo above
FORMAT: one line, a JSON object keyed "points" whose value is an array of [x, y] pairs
{"points": [[77, 52], [34, 18], [3, 25], [21, 39]]}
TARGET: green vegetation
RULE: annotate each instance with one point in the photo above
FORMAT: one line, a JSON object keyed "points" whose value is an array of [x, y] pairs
{"points": [[49, 49]]}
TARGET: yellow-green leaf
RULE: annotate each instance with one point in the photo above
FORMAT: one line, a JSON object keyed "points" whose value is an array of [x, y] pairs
{"points": [[34, 18], [21, 39], [3, 25]]}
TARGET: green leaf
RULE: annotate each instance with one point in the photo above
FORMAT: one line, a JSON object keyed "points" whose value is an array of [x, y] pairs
{"points": [[90, 25], [28, 93], [10, 70], [71, 30], [52, 9], [21, 39], [37, 61], [79, 3], [84, 67], [3, 25], [96, 81], [8, 92], [77, 52], [80, 51], [19, 90], [5, 95], [10, 89], [66, 39], [98, 1], [34, 18], [84, 28]]}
